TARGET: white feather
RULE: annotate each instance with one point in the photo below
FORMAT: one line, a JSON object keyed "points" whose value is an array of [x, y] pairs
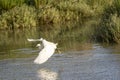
{"points": [[47, 51], [35, 39]]}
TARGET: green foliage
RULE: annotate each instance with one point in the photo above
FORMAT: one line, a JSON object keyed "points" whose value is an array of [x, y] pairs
{"points": [[98, 6], [106, 13], [18, 17], [49, 15], [8, 4], [40, 3], [108, 29], [76, 6]]}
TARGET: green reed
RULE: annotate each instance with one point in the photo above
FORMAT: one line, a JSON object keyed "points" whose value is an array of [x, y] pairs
{"points": [[8, 4], [109, 26]]}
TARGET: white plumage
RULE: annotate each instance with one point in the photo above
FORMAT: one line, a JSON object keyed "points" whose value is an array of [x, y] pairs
{"points": [[47, 50]]}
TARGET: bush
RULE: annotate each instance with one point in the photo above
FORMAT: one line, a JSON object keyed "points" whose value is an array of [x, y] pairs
{"points": [[8, 4], [18, 17], [49, 15], [109, 28]]}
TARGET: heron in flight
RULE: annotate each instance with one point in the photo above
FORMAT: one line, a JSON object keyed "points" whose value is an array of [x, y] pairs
{"points": [[47, 49]]}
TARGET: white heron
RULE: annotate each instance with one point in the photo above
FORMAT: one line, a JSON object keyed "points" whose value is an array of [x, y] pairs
{"points": [[47, 49]]}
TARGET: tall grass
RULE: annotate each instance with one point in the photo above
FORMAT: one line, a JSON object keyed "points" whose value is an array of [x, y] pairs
{"points": [[106, 13], [108, 29], [18, 17], [8, 4], [49, 15], [40, 3]]}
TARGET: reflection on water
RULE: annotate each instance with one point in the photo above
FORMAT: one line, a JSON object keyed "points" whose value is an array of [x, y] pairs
{"points": [[73, 39], [46, 74], [16, 41]]}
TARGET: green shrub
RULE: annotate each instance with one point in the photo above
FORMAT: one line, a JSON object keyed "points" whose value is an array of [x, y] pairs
{"points": [[79, 7], [108, 29], [49, 15], [99, 4], [8, 4], [18, 17], [104, 13], [40, 3]]}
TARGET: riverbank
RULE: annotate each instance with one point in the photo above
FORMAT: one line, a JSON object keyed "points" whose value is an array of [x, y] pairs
{"points": [[103, 14]]}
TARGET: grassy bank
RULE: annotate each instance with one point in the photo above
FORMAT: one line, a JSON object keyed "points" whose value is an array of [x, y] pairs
{"points": [[102, 16]]}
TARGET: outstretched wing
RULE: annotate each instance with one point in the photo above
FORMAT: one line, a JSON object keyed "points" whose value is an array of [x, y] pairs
{"points": [[33, 40], [44, 55], [47, 51]]}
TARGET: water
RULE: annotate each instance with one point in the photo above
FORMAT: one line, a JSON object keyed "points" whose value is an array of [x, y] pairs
{"points": [[79, 60], [13, 43], [98, 63]]}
